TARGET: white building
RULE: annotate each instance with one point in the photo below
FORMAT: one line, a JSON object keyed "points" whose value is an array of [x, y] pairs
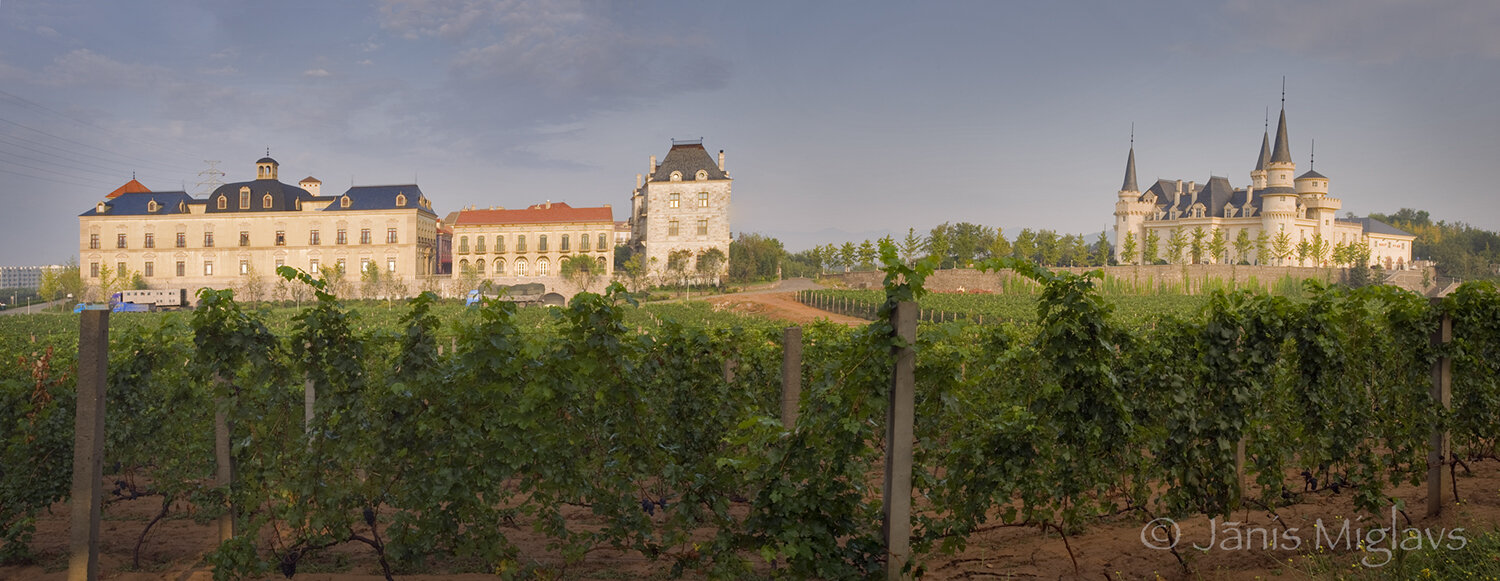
{"points": [[1275, 210], [682, 205]]}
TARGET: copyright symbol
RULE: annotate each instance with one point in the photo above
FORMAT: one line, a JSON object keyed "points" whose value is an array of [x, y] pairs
{"points": [[1156, 536]]}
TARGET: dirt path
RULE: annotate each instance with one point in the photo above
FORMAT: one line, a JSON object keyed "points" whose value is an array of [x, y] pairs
{"points": [[779, 305]]}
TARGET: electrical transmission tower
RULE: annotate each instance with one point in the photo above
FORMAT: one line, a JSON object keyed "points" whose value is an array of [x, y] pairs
{"points": [[213, 179]]}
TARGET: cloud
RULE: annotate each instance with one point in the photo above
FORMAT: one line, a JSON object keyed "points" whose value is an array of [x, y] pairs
{"points": [[45, 31], [1373, 31], [318, 73]]}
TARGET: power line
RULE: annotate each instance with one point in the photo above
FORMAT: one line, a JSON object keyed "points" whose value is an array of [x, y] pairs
{"points": [[49, 180], [81, 144], [36, 105], [67, 155], [110, 174]]}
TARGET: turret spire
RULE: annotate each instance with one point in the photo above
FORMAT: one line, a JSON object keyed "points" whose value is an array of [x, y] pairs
{"points": [[1265, 150], [1283, 151], [1129, 185]]}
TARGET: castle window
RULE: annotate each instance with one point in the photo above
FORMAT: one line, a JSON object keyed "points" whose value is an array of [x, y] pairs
{"points": [[400, 200], [120, 269], [344, 202], [583, 243], [281, 237], [208, 239], [499, 244], [222, 203], [541, 245], [265, 201], [672, 228], [562, 245], [463, 244], [703, 227], [244, 198], [152, 206], [676, 176], [463, 266], [341, 237], [150, 240], [244, 267], [390, 265], [499, 267], [520, 247], [182, 268], [208, 268], [313, 239], [312, 266], [603, 266], [182, 207], [93, 270], [520, 267], [702, 175], [244, 238], [150, 269], [479, 244], [390, 235], [479, 267], [601, 242], [674, 201], [702, 199], [364, 235], [543, 266], [94, 241], [182, 240], [364, 265], [340, 266]]}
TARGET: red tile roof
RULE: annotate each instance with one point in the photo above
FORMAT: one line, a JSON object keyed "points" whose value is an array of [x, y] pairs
{"points": [[553, 212], [130, 187]]}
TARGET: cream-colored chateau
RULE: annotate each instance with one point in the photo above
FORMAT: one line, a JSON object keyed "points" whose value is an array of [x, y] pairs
{"points": [[530, 244], [1276, 211], [249, 228], [681, 204]]}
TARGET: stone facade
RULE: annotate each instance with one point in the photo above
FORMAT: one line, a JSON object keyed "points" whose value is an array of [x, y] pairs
{"points": [[682, 204], [250, 228], [528, 245]]}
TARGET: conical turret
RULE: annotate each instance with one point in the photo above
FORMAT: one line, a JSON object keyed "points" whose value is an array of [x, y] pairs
{"points": [[1129, 185]]}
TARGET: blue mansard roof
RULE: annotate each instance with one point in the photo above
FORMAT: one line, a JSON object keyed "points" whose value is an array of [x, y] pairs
{"points": [[381, 198], [139, 204]]}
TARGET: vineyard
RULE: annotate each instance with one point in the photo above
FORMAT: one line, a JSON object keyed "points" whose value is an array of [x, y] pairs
{"points": [[444, 434], [1020, 309]]}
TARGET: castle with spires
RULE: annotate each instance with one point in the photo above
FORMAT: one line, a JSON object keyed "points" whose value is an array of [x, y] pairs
{"points": [[1262, 223]]}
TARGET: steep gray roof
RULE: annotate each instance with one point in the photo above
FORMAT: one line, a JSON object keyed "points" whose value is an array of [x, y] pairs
{"points": [[1165, 191], [1265, 152], [284, 197], [1129, 185], [138, 203], [379, 198], [1373, 226], [1312, 174], [687, 158], [1283, 151], [1215, 194]]}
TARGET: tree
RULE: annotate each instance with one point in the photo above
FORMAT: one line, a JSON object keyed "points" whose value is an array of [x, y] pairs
{"points": [[1025, 245], [582, 271], [710, 264], [1304, 251], [968, 240], [848, 256], [910, 246], [253, 286], [1318, 250], [1196, 246], [1242, 245], [635, 272], [938, 245], [468, 279], [106, 283], [1000, 247], [1218, 246], [622, 254], [1101, 251], [1152, 247], [1340, 254], [753, 257], [678, 262], [1262, 248], [1281, 246], [1128, 249], [866, 254], [1175, 244], [1049, 247]]}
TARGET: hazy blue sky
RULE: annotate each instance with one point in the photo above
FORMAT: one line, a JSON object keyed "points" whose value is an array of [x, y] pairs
{"points": [[839, 119]]}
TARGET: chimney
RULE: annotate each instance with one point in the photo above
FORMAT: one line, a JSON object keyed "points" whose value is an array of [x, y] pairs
{"points": [[652, 170], [721, 160], [638, 181], [548, 205]]}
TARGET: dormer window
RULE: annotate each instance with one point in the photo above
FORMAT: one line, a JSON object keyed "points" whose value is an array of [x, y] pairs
{"points": [[400, 200], [265, 201], [244, 198], [152, 206], [223, 203], [702, 175], [344, 202], [182, 207], [101, 208], [676, 176]]}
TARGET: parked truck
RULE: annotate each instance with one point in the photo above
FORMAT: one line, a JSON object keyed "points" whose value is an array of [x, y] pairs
{"points": [[533, 293]]}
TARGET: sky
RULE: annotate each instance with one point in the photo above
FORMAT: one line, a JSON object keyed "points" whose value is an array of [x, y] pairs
{"points": [[839, 120]]}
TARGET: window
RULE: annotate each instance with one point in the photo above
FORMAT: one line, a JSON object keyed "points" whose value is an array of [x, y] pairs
{"points": [[603, 265], [223, 203], [265, 201], [341, 237], [672, 228], [152, 206], [479, 244], [313, 239], [674, 201], [562, 245], [583, 243], [364, 265], [479, 267], [520, 245], [463, 244], [182, 239], [543, 266], [541, 243], [181, 268], [499, 267], [390, 235], [120, 241], [94, 241], [312, 266], [702, 199], [150, 240], [400, 200], [602, 246], [364, 235], [93, 270], [390, 265], [701, 175], [244, 238], [244, 267], [120, 269], [281, 237], [344, 202], [499, 244], [208, 239], [676, 176], [463, 265], [208, 268], [520, 267], [150, 269], [703, 227], [341, 266], [244, 198]]}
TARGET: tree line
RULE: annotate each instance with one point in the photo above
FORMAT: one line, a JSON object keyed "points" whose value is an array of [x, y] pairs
{"points": [[1460, 250]]}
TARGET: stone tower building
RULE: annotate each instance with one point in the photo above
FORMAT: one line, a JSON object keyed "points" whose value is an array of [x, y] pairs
{"points": [[681, 204]]}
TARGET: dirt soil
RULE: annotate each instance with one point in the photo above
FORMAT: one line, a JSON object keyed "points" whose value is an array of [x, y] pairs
{"points": [[779, 305]]}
